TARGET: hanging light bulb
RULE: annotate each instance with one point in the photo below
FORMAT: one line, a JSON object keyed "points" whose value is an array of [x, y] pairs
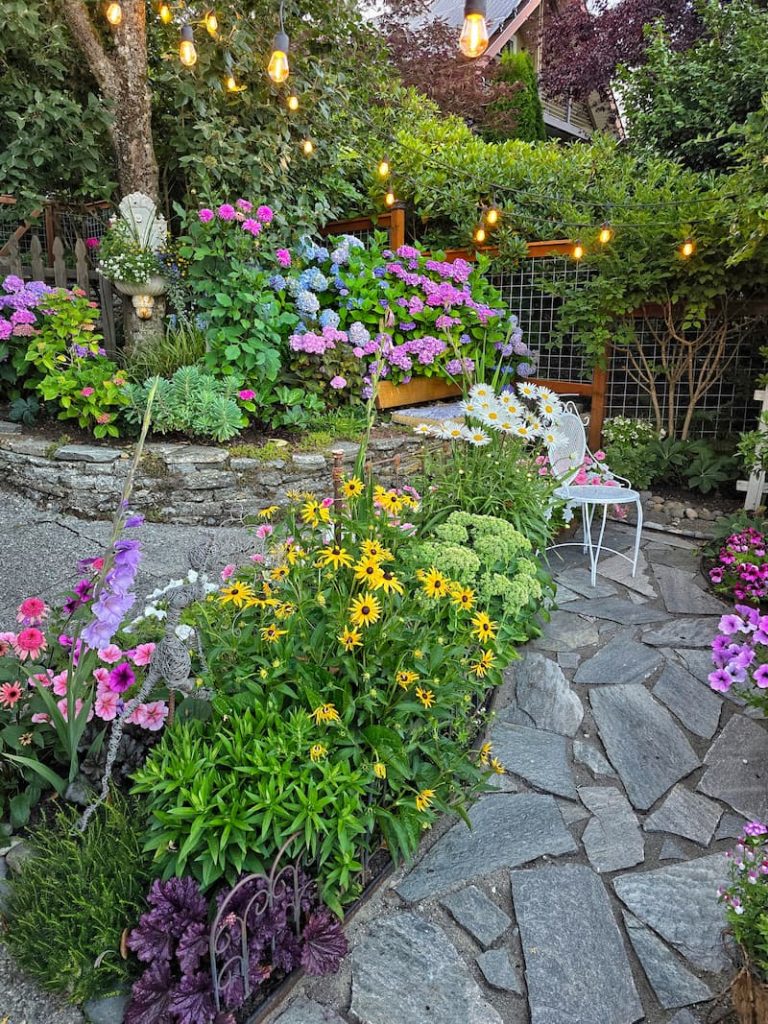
{"points": [[187, 51], [292, 103], [390, 199], [308, 147], [383, 167], [212, 24], [114, 14], [606, 233], [688, 248], [277, 68], [231, 84], [578, 251], [479, 235], [473, 40], [164, 13], [492, 216]]}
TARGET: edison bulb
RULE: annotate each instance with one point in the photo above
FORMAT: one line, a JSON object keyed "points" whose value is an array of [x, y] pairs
{"points": [[473, 40], [230, 83], [390, 199], [212, 23], [578, 251], [688, 248], [383, 167], [307, 147], [187, 51], [292, 102], [479, 235], [278, 69], [164, 13], [606, 234], [114, 14], [492, 216]]}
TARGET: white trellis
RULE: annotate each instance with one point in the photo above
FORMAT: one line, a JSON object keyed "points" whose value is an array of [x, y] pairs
{"points": [[756, 483]]}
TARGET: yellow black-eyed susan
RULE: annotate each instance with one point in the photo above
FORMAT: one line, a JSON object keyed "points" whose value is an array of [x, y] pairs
{"points": [[326, 714], [485, 628], [435, 584], [352, 487], [424, 799], [364, 610], [350, 638], [237, 593], [335, 556]]}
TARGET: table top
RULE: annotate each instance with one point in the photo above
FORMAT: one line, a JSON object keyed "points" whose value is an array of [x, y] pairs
{"points": [[597, 494]]}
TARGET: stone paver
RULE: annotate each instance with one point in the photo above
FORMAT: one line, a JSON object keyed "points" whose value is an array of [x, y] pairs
{"points": [[306, 1011], [671, 850], [405, 970], [586, 754], [737, 767], [696, 706], [478, 915], [499, 971], [682, 595], [541, 758], [692, 631], [672, 982], [644, 745], [612, 839], [620, 571], [578, 581], [507, 830], [545, 695], [566, 632], [686, 814], [576, 968], [621, 660], [616, 609]]}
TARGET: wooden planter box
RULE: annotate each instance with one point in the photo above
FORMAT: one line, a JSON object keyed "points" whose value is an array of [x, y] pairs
{"points": [[420, 389], [750, 999]]}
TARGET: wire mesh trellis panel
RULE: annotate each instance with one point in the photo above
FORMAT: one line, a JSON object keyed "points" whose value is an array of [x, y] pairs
{"points": [[727, 408], [523, 290]]}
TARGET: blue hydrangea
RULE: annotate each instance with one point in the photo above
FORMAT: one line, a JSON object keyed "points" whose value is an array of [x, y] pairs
{"points": [[339, 284], [359, 334], [340, 256], [294, 287], [329, 318], [306, 248], [379, 271], [277, 281], [307, 303], [321, 254], [313, 279], [353, 242], [334, 270]]}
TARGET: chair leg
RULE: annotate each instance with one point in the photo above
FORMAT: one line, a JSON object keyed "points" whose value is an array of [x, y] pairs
{"points": [[638, 534], [595, 552]]}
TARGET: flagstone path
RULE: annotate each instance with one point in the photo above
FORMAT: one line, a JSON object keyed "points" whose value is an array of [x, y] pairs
{"points": [[585, 892]]}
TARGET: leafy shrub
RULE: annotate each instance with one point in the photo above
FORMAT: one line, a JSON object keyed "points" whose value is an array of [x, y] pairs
{"points": [[183, 345], [192, 401], [346, 680], [698, 465], [629, 448], [493, 558], [753, 447], [72, 900], [173, 938]]}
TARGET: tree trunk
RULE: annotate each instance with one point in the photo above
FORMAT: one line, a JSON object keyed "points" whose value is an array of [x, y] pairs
{"points": [[122, 75]]}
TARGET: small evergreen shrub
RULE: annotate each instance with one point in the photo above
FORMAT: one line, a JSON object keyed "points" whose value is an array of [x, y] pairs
{"points": [[191, 402], [69, 906]]}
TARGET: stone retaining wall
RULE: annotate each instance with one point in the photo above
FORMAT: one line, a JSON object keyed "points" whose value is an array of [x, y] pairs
{"points": [[183, 483]]}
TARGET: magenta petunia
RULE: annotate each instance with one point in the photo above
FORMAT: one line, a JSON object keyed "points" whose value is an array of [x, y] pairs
{"points": [[121, 677]]}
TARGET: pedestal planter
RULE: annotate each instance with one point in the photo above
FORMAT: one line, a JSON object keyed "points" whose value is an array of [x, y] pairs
{"points": [[750, 998], [419, 389], [143, 293]]}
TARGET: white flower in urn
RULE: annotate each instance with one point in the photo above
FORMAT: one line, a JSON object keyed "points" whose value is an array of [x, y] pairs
{"points": [[129, 253]]}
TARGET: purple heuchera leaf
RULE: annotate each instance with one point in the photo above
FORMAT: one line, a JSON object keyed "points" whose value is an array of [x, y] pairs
{"points": [[192, 1000], [192, 947], [324, 944], [174, 906], [151, 996]]}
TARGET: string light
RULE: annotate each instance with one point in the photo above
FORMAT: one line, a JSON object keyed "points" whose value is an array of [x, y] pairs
{"points": [[479, 235], [389, 199], [292, 103], [114, 14], [606, 233], [212, 24], [578, 251], [473, 40], [492, 216], [164, 13], [187, 51], [231, 84], [383, 167], [278, 69], [307, 147], [688, 248]]}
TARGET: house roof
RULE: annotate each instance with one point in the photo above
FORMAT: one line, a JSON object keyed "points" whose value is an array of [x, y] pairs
{"points": [[452, 12]]}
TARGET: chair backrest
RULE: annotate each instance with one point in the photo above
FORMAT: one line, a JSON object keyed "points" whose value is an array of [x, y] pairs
{"points": [[566, 454]]}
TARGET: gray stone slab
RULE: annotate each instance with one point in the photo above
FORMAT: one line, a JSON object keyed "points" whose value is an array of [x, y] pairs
{"points": [[679, 902], [568, 660], [539, 757], [590, 756], [86, 453], [693, 631], [686, 814], [737, 768], [563, 595], [579, 582], [566, 632], [306, 1011], [572, 812], [644, 745], [697, 662], [697, 706], [612, 839], [626, 613], [672, 982], [545, 695], [508, 829], [731, 827], [620, 571], [682, 595], [672, 557], [477, 914], [576, 967], [621, 660], [109, 1010], [406, 971], [499, 971], [684, 1017], [672, 850]]}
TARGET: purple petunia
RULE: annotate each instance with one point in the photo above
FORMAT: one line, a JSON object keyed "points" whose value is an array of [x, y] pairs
{"points": [[121, 678]]}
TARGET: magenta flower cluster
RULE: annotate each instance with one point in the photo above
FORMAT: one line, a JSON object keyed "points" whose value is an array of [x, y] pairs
{"points": [[18, 301], [748, 868], [740, 650], [742, 566], [239, 211]]}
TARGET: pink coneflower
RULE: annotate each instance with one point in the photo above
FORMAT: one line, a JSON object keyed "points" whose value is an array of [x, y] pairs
{"points": [[32, 611], [60, 684], [227, 572], [121, 677], [142, 655], [106, 706], [10, 694], [152, 716], [110, 654], [29, 643]]}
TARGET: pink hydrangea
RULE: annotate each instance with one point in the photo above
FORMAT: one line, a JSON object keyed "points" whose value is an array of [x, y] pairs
{"points": [[142, 654], [205, 215]]}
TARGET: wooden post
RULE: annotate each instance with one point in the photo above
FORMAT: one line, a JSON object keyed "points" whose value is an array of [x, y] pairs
{"points": [[36, 259], [397, 227], [597, 413], [13, 256], [107, 316], [49, 224], [82, 273], [59, 266]]}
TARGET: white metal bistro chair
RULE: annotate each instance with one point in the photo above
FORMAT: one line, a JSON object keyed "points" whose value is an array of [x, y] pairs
{"points": [[566, 456]]}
